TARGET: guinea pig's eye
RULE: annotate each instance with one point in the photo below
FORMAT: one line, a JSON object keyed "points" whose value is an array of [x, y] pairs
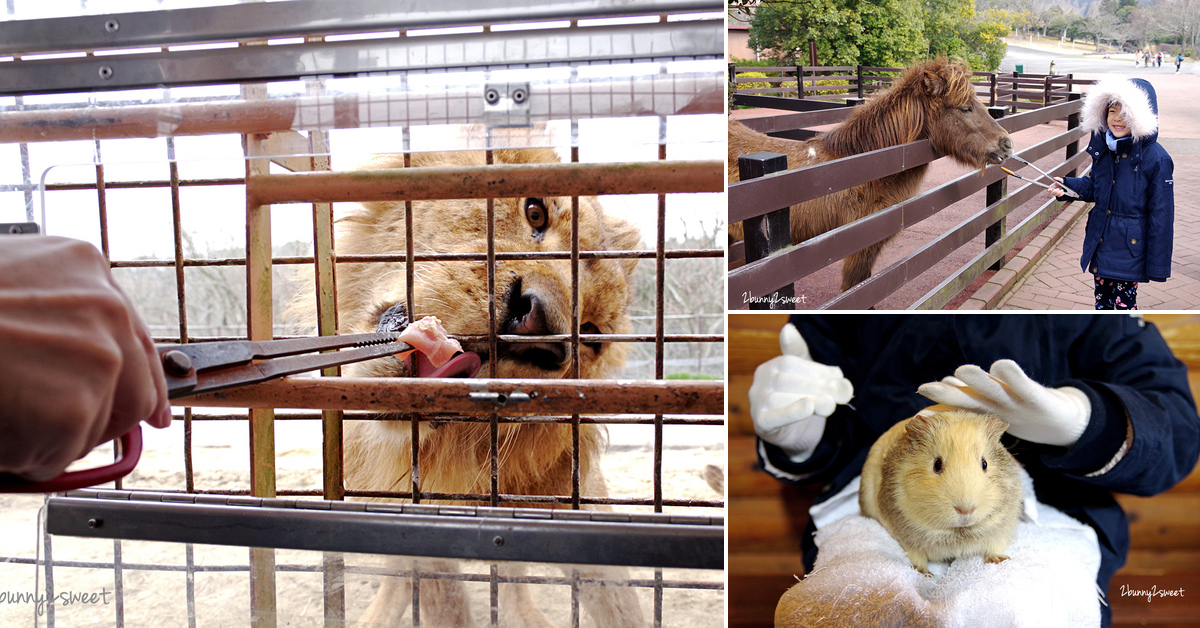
{"points": [[937, 465], [538, 217], [985, 464]]}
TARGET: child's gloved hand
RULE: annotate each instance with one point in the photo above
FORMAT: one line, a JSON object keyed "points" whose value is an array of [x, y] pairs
{"points": [[1051, 416], [792, 396]]}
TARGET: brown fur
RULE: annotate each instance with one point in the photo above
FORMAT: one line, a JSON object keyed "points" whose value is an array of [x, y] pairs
{"points": [[927, 102], [535, 459]]}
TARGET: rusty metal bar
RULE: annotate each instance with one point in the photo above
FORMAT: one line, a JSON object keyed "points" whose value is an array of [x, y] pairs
{"points": [[575, 357], [508, 498], [358, 415], [392, 394], [259, 318], [178, 119], [102, 202], [501, 256], [495, 181], [493, 350], [262, 422], [410, 303]]}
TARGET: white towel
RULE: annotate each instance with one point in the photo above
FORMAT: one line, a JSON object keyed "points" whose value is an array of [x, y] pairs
{"points": [[862, 577]]}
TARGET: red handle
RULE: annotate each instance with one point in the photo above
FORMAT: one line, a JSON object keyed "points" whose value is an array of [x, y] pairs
{"points": [[130, 448]]}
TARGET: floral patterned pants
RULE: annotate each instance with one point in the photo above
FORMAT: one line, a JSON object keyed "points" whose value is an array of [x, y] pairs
{"points": [[1114, 294]]}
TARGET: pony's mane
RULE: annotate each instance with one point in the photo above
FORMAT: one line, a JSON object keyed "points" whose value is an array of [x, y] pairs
{"points": [[897, 115]]}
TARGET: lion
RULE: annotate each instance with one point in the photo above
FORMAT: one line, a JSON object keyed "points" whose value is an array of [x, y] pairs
{"points": [[531, 298]]}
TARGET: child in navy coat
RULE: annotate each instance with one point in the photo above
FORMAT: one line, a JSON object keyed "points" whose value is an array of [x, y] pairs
{"points": [[1130, 228]]}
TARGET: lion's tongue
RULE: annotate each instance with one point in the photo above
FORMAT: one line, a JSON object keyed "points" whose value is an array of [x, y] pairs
{"points": [[464, 364]]}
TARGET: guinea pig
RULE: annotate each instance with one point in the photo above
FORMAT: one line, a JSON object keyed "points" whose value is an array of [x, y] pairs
{"points": [[944, 487]]}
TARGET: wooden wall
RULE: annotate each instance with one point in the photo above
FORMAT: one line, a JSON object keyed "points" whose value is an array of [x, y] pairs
{"points": [[766, 518]]}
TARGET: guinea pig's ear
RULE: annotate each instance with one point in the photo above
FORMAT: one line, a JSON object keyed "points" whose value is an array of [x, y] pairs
{"points": [[995, 428], [920, 427]]}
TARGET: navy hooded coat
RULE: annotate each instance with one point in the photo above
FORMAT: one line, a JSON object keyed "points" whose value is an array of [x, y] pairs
{"points": [[1137, 389], [1130, 228]]}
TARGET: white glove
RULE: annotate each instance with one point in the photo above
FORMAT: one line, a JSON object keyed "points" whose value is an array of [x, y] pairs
{"points": [[1051, 416], [792, 396]]}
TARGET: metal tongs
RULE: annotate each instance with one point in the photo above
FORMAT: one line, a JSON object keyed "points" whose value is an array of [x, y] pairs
{"points": [[192, 369], [1063, 186]]}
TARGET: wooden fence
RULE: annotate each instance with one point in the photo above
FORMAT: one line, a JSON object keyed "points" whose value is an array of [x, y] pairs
{"points": [[752, 279], [815, 87]]}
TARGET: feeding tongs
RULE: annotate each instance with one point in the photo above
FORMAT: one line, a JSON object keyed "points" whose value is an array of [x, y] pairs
{"points": [[1043, 173], [197, 368]]}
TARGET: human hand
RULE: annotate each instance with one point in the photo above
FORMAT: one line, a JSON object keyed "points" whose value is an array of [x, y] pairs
{"points": [[1051, 416], [1056, 190], [792, 396], [77, 366]]}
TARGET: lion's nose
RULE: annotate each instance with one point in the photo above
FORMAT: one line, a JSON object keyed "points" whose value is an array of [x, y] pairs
{"points": [[527, 316]]}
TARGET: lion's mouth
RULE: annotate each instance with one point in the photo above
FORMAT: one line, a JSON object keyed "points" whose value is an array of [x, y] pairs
{"points": [[524, 314], [465, 364]]}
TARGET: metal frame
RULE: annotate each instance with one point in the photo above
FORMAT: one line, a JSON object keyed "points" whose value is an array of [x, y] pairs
{"points": [[472, 533], [275, 135], [303, 18], [557, 47]]}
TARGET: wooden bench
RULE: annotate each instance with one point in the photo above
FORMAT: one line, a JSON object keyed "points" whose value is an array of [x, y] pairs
{"points": [[766, 517]]}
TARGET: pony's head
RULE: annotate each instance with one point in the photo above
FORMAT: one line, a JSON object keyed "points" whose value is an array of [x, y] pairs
{"points": [[956, 122]]}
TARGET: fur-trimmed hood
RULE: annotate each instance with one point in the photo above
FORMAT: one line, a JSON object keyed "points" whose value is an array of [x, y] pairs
{"points": [[1138, 102]]}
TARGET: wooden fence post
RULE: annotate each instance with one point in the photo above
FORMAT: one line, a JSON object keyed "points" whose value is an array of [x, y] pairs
{"points": [[732, 85], [860, 83], [1046, 92], [996, 191], [1073, 123], [1016, 88], [800, 82], [768, 233], [992, 100]]}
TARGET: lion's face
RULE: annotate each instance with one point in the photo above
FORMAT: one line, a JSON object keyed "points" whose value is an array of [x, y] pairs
{"points": [[532, 297]]}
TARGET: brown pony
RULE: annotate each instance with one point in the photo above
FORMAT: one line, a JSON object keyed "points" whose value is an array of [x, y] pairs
{"points": [[933, 100]]}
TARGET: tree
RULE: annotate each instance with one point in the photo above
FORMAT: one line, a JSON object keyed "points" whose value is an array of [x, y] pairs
{"points": [[847, 32], [954, 28]]}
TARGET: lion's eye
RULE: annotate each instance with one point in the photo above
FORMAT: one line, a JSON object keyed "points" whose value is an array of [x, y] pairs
{"points": [[535, 213], [591, 328]]}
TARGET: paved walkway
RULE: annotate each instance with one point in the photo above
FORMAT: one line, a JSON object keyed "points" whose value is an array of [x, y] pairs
{"points": [[1047, 276]]}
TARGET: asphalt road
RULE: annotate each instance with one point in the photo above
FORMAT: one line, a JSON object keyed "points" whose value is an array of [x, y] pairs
{"points": [[1076, 61]]}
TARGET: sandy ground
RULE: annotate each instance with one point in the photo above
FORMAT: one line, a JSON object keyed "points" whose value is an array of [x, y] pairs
{"points": [[159, 598]]}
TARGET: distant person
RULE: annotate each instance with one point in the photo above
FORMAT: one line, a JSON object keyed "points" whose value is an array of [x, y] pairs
{"points": [[1131, 225], [1159, 59], [1178, 61], [1146, 58]]}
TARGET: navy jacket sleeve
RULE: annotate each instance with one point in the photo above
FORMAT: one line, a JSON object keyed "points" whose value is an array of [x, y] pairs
{"points": [[1139, 395], [1082, 185], [1160, 206]]}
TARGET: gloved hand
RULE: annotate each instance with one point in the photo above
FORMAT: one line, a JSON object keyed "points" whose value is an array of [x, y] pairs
{"points": [[792, 396], [1051, 416]]}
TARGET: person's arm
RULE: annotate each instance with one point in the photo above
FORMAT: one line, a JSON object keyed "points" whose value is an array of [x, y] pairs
{"points": [[77, 366], [1160, 207], [1082, 186], [790, 400], [1143, 435], [1121, 415]]}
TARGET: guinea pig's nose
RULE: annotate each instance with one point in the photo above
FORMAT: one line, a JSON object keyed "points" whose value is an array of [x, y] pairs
{"points": [[964, 510]]}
